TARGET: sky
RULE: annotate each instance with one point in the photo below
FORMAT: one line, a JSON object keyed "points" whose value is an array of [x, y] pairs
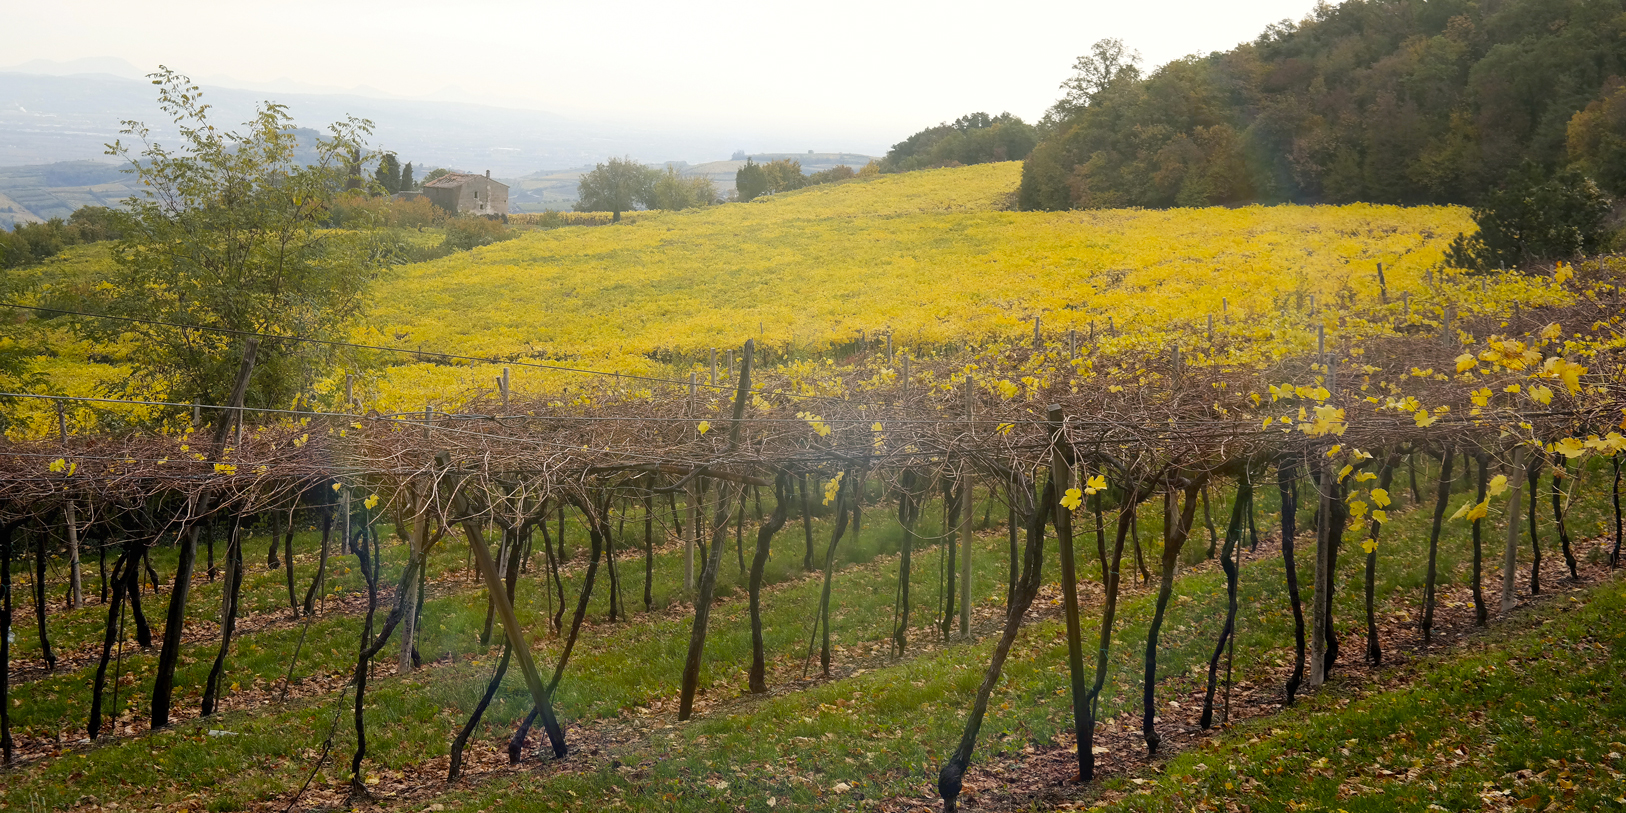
{"points": [[835, 75]]}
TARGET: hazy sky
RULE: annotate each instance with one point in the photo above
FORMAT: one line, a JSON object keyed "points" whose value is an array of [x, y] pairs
{"points": [[832, 75]]}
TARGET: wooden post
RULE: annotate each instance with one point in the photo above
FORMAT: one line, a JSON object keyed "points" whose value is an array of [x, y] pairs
{"points": [[966, 519], [1383, 286], [1225, 309], [1405, 305], [889, 348], [714, 366], [197, 414], [1072, 344], [1312, 304], [689, 539], [428, 420], [1210, 328], [1061, 474], [1112, 327], [505, 389], [349, 391], [905, 376], [1037, 340], [76, 593], [1510, 556], [1323, 548], [728, 369]]}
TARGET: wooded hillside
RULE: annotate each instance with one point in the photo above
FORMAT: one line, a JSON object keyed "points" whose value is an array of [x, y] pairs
{"points": [[1392, 101]]}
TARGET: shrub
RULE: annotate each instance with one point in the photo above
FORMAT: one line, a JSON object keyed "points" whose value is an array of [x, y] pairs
{"points": [[1535, 218]]}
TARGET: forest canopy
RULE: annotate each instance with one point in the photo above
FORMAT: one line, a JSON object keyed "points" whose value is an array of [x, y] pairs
{"points": [[1387, 101]]}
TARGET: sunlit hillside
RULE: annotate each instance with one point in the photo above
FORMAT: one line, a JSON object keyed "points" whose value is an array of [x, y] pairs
{"points": [[933, 257]]}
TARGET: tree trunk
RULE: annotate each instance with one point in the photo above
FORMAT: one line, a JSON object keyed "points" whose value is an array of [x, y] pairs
{"points": [[950, 776], [93, 728], [1374, 648], [1441, 499], [597, 529], [829, 569], [1561, 473], [6, 746], [40, 600], [495, 683], [169, 654], [76, 590], [1233, 542], [288, 556], [1287, 483], [908, 514], [321, 562], [1175, 539], [1111, 577], [1533, 474], [781, 511], [271, 562], [1481, 614], [228, 612], [807, 525]]}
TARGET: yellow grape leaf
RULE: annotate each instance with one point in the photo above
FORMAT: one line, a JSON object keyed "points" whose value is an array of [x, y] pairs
{"points": [[1096, 483], [1072, 499], [1497, 485], [1344, 472], [704, 427], [1370, 546], [1380, 516], [1570, 448], [1466, 362], [1381, 497], [1423, 418], [1541, 394]]}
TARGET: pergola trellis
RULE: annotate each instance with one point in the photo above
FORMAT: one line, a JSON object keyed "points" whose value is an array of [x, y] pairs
{"points": [[1159, 412]]}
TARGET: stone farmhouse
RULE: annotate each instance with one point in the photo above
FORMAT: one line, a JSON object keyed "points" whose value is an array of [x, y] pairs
{"points": [[463, 193]]}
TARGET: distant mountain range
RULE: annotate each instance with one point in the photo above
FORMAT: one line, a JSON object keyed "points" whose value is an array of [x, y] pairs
{"points": [[54, 128]]}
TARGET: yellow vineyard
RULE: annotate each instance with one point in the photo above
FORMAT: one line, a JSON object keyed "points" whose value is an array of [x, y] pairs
{"points": [[931, 257]]}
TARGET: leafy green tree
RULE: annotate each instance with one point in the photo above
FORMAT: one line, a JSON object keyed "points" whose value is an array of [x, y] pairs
{"points": [[1108, 61], [436, 174], [750, 182], [229, 236], [1401, 101], [1596, 138], [976, 138], [673, 191], [1535, 218], [388, 174], [615, 186], [831, 175], [407, 184], [784, 175]]}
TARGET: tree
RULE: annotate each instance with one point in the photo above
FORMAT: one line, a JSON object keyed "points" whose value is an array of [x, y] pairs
{"points": [[229, 237], [1108, 61], [436, 174], [673, 191], [976, 138], [406, 179], [1535, 218], [784, 175], [388, 173], [750, 182], [616, 186]]}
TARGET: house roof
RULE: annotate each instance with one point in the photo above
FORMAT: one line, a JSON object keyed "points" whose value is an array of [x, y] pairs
{"points": [[452, 179]]}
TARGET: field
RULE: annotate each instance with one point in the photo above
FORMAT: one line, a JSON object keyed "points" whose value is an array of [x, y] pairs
{"points": [[930, 257], [1519, 712]]}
